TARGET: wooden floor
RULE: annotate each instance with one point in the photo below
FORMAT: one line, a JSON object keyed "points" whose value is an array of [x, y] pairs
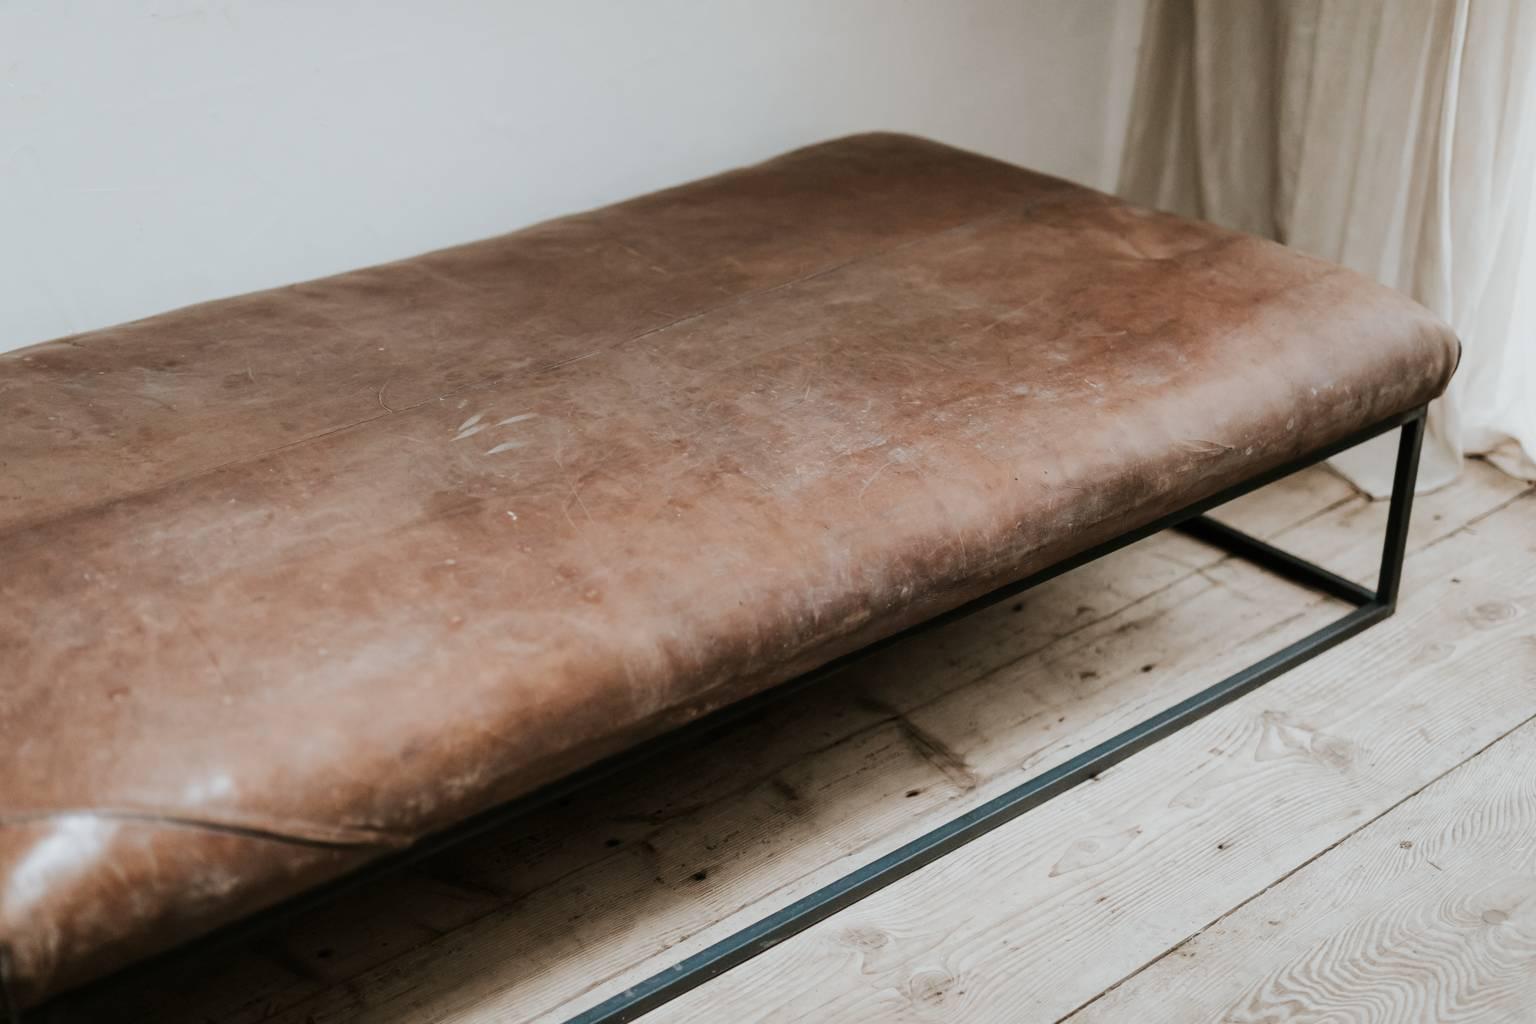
{"points": [[1355, 841]]}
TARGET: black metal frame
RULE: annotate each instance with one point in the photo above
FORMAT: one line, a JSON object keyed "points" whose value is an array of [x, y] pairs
{"points": [[1370, 607]]}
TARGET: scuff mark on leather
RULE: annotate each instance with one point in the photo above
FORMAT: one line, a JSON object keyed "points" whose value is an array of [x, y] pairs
{"points": [[1199, 446]]}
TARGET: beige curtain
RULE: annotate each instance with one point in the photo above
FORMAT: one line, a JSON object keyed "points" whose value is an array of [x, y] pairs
{"points": [[1397, 137]]}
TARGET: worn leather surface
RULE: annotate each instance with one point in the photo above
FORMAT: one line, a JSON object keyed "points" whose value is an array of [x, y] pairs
{"points": [[290, 579]]}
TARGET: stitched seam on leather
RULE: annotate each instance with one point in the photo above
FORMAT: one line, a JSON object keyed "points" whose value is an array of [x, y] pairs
{"points": [[293, 833]]}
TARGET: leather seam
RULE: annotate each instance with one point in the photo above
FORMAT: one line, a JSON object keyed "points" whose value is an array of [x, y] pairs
{"points": [[293, 833]]}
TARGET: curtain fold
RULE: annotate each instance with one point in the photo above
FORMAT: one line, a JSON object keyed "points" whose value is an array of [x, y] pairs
{"points": [[1398, 139]]}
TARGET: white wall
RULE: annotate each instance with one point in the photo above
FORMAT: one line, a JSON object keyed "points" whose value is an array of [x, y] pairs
{"points": [[155, 153]]}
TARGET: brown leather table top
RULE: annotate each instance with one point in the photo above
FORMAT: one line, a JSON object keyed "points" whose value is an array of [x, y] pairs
{"points": [[290, 579]]}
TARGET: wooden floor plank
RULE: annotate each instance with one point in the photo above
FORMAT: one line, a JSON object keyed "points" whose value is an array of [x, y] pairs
{"points": [[592, 895], [1426, 915]]}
